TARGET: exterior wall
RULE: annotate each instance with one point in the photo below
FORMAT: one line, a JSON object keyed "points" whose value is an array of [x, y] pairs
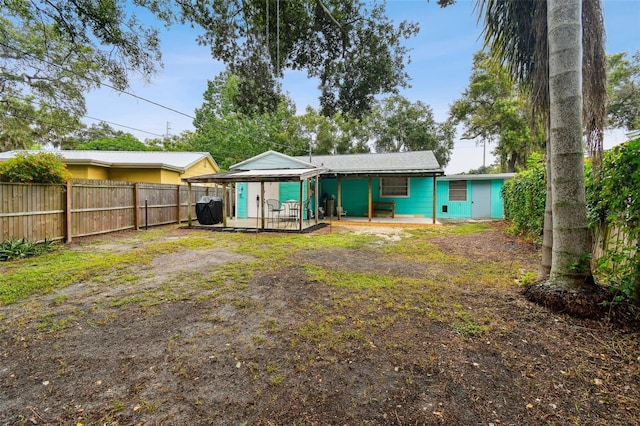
{"points": [[241, 203], [88, 172], [202, 167], [137, 175], [462, 209], [355, 196], [455, 209], [497, 204]]}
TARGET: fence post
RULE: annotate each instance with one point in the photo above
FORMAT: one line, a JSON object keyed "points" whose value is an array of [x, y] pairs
{"points": [[136, 210], [178, 208], [189, 203], [67, 213]]}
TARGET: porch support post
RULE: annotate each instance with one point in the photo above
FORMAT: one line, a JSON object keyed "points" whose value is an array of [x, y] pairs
{"points": [[300, 205], [370, 198], [261, 212], [188, 203], [315, 201], [339, 197], [225, 199], [434, 199]]}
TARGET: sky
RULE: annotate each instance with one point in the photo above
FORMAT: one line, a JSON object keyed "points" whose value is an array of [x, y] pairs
{"points": [[440, 66]]}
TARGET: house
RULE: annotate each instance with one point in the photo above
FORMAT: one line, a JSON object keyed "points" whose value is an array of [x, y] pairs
{"points": [[393, 184], [134, 166], [390, 184], [471, 196]]}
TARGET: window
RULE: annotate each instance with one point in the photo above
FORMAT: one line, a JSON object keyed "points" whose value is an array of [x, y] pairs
{"points": [[394, 187], [457, 190]]}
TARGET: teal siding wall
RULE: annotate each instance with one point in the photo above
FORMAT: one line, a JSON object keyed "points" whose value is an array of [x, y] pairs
{"points": [[355, 196], [455, 209], [497, 207], [241, 206], [291, 191], [462, 209]]}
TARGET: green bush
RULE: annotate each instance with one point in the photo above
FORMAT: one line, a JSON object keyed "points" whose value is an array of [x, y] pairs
{"points": [[41, 167], [613, 202], [524, 198]]}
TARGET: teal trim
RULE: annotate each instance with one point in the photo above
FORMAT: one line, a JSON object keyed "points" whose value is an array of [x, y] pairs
{"points": [[241, 206]]}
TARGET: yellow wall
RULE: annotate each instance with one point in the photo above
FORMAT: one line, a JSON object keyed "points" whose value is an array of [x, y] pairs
{"points": [[202, 167], [136, 175], [88, 172]]}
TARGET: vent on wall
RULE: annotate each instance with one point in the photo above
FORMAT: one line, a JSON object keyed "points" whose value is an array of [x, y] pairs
{"points": [[445, 209]]}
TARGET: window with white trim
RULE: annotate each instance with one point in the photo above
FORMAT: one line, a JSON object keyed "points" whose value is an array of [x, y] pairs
{"points": [[394, 187], [457, 190]]}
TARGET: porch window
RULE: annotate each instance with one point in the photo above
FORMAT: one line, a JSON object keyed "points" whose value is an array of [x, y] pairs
{"points": [[457, 190], [394, 187]]}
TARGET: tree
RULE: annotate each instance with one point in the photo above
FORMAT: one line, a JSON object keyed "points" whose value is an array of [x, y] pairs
{"points": [[126, 142], [338, 134], [491, 109], [400, 125], [232, 136], [24, 123], [334, 40], [623, 89], [570, 264], [516, 33], [52, 52]]}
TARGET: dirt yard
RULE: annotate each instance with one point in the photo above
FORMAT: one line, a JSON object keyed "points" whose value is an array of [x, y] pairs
{"points": [[344, 326]]}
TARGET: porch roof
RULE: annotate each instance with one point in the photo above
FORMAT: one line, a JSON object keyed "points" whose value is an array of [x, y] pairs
{"points": [[269, 175]]}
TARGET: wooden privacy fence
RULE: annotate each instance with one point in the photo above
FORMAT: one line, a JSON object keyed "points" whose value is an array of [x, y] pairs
{"points": [[89, 207]]}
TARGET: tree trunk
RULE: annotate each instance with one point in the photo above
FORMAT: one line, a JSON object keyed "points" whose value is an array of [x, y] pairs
{"points": [[570, 269], [547, 226]]}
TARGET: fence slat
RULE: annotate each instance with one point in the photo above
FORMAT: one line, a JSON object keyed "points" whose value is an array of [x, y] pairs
{"points": [[88, 207]]}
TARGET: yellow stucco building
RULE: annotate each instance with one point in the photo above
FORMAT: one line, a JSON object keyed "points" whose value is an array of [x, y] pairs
{"points": [[135, 166]]}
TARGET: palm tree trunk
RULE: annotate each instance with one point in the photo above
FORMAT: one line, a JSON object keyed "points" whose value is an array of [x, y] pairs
{"points": [[570, 269], [547, 225]]}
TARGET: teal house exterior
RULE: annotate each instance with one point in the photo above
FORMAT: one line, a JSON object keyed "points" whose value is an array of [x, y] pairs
{"points": [[471, 196], [397, 184]]}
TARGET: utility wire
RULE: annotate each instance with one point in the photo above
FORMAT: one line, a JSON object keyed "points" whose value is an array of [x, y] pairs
{"points": [[133, 95], [96, 81]]}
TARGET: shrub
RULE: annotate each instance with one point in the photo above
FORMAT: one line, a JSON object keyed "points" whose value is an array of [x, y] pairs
{"points": [[524, 198], [41, 167], [17, 249], [613, 205]]}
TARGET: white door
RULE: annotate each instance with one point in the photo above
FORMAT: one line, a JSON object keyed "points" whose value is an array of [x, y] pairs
{"points": [[253, 193]]}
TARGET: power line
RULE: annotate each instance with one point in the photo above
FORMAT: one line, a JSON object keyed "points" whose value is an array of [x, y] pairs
{"points": [[96, 81]]}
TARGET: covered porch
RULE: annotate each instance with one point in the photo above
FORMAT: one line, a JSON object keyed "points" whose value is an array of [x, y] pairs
{"points": [[297, 214]]}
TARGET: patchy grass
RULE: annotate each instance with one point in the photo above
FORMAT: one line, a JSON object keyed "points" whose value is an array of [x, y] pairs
{"points": [[413, 326]]}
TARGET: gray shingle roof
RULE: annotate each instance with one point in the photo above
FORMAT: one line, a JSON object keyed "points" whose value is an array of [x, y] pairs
{"points": [[409, 162]]}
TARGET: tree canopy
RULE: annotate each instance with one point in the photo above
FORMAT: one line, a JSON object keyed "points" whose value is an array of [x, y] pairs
{"points": [[492, 110], [624, 90], [333, 40], [52, 52], [400, 125]]}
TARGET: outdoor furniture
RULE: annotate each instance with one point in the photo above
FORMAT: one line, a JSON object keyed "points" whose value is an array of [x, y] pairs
{"points": [[274, 210], [384, 207], [291, 212], [341, 211]]}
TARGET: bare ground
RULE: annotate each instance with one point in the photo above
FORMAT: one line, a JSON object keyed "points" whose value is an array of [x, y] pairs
{"points": [[451, 342]]}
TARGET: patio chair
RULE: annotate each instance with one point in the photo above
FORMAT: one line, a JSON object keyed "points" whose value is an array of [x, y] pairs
{"points": [[341, 212], [274, 210]]}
